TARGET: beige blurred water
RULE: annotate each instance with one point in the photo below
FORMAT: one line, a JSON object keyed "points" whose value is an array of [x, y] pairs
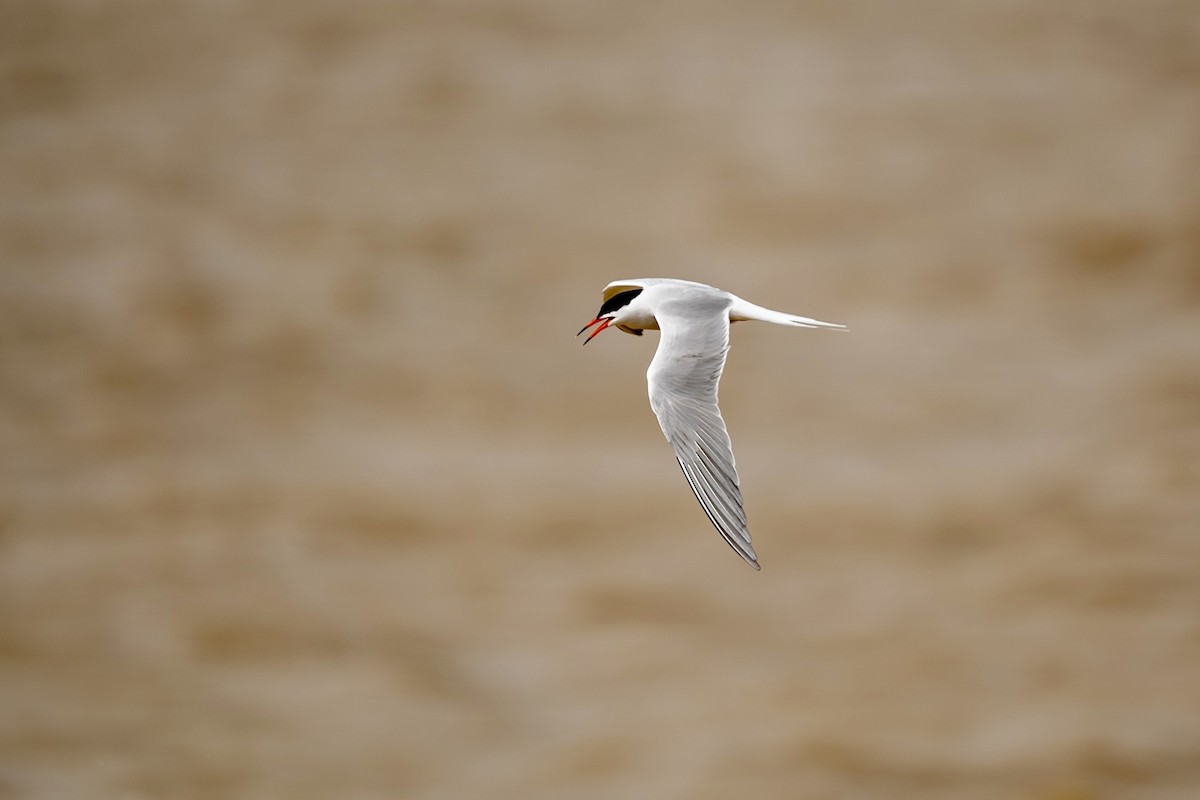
{"points": [[307, 491]]}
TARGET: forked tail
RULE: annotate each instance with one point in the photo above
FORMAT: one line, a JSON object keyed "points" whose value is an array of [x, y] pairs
{"points": [[744, 310]]}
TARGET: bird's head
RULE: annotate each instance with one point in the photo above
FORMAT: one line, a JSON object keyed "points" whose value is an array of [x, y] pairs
{"points": [[616, 309]]}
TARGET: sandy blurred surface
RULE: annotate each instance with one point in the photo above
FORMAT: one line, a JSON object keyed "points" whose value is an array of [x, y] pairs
{"points": [[306, 490]]}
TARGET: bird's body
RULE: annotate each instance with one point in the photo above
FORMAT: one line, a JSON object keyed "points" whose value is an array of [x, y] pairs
{"points": [[683, 378]]}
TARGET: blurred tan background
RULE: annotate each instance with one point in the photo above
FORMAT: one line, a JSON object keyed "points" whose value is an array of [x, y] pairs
{"points": [[307, 491]]}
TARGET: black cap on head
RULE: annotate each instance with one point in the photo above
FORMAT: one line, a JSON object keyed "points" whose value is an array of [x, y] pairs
{"points": [[619, 300]]}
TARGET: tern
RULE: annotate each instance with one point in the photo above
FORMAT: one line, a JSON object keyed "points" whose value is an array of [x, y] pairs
{"points": [[682, 379]]}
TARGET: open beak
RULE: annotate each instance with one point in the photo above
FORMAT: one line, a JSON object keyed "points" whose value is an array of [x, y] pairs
{"points": [[603, 323]]}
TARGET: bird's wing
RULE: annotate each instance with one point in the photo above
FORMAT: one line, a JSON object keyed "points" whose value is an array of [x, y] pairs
{"points": [[683, 381]]}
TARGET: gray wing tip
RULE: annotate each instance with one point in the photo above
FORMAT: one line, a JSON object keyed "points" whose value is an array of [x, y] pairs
{"points": [[748, 555], [739, 544]]}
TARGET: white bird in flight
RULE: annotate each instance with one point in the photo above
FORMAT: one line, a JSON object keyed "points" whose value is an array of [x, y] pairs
{"points": [[683, 377]]}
